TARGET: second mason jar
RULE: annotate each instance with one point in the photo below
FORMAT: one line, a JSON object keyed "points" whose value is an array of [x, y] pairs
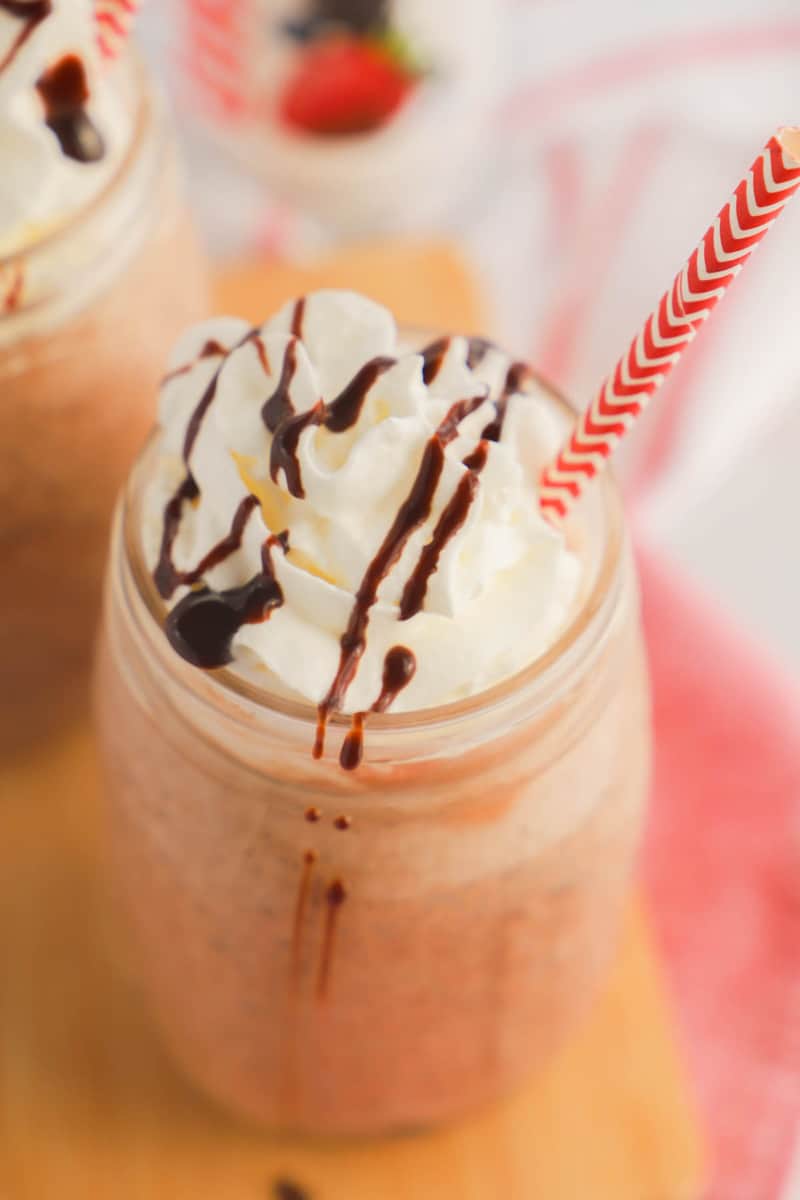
{"points": [[87, 315]]}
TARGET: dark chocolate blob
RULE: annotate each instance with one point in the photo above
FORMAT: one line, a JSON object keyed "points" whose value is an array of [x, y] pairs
{"points": [[65, 92]]}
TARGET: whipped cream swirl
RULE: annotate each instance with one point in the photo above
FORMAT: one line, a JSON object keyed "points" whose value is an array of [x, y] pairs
{"points": [[349, 522], [45, 176]]}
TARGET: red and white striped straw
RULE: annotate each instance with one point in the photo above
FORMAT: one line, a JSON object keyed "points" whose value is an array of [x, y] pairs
{"points": [[760, 197], [113, 19]]}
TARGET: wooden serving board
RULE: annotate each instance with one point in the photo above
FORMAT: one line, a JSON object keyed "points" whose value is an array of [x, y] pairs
{"points": [[90, 1109]]}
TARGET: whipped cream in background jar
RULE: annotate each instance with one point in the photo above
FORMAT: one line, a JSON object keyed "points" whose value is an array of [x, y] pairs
{"points": [[375, 736], [99, 270], [367, 116]]}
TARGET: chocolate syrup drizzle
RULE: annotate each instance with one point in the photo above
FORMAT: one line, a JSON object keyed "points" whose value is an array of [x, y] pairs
{"points": [[338, 416], [455, 512], [170, 578], [166, 576], [298, 315], [352, 748], [433, 355], [64, 92], [32, 14], [278, 408], [451, 518], [413, 512], [203, 624], [518, 377]]}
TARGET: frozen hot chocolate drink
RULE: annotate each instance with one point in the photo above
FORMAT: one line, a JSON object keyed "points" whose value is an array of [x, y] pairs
{"points": [[375, 731], [98, 273]]}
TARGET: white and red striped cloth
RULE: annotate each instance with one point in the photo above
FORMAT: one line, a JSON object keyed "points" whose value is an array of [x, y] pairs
{"points": [[632, 124]]}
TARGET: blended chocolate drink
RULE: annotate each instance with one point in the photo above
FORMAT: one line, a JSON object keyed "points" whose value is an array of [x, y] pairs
{"points": [[375, 733], [99, 272]]}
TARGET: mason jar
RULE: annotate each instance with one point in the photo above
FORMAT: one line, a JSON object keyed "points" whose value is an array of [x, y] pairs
{"points": [[87, 315], [371, 950]]}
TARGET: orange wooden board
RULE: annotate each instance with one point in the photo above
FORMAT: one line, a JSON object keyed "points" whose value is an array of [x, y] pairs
{"points": [[89, 1108], [424, 284]]}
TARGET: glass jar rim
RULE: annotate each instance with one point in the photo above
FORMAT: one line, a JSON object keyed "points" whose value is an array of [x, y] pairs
{"points": [[537, 679], [83, 214]]}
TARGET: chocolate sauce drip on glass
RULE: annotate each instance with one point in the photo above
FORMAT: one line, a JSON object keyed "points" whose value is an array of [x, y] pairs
{"points": [[335, 897], [301, 904], [64, 92], [518, 376], [285, 1189], [338, 416], [399, 667], [352, 749], [298, 314], [202, 626], [32, 13], [211, 349]]}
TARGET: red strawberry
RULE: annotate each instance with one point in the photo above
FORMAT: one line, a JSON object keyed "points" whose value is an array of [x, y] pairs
{"points": [[343, 86]]}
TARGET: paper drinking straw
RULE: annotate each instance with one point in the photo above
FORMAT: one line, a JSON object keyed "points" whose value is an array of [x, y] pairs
{"points": [[740, 225], [113, 19]]}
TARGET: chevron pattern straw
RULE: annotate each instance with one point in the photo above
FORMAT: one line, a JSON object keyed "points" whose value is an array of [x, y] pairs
{"points": [[113, 19], [760, 197]]}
